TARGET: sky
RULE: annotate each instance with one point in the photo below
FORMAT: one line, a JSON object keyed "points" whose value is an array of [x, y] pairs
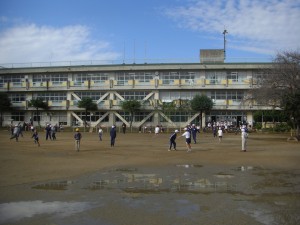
{"points": [[139, 31]]}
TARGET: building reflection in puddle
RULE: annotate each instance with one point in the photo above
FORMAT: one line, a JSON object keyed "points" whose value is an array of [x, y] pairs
{"points": [[138, 182], [14, 211]]}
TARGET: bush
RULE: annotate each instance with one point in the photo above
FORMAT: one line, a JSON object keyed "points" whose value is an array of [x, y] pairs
{"points": [[282, 127], [257, 126]]}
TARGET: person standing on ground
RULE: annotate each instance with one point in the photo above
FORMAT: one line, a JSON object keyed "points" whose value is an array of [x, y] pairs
{"points": [[220, 134], [172, 140], [77, 137], [48, 132], [100, 133], [124, 128], [214, 131], [35, 137], [156, 130], [187, 135], [53, 132], [113, 135], [244, 136]]}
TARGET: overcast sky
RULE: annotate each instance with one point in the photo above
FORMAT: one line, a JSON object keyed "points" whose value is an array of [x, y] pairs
{"points": [[145, 30]]}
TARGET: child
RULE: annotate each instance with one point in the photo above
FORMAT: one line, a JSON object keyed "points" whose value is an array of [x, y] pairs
{"points": [[220, 134], [77, 137], [187, 135], [100, 132], [35, 136], [172, 140]]}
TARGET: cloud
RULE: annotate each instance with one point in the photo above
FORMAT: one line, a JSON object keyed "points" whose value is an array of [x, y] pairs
{"points": [[253, 25], [31, 43]]}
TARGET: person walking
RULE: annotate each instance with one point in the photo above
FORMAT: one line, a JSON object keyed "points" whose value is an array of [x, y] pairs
{"points": [[53, 132], [220, 134], [244, 137], [187, 135], [15, 133], [77, 137], [113, 136], [172, 140], [35, 137], [194, 131], [100, 133]]}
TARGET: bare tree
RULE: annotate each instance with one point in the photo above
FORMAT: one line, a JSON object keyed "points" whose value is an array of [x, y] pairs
{"points": [[279, 86]]}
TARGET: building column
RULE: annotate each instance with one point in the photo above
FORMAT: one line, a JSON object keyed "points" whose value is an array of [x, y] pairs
{"points": [[250, 118]]}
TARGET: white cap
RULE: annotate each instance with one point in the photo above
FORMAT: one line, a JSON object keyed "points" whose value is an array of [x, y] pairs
{"points": [[176, 131], [185, 128]]}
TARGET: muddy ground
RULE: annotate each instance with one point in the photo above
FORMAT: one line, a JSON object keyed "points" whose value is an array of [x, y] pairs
{"points": [[140, 182]]}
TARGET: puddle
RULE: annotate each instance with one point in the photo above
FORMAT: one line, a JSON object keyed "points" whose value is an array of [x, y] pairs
{"points": [[14, 211], [153, 184], [224, 175], [57, 186], [189, 165], [247, 168], [126, 169]]}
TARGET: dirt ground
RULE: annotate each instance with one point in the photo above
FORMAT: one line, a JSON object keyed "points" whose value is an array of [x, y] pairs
{"points": [[24, 164]]}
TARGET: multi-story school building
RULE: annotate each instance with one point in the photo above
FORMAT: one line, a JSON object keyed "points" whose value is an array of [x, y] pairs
{"points": [[227, 84]]}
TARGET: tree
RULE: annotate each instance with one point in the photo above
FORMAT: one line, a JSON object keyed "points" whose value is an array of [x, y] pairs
{"points": [[279, 86], [131, 106], [5, 105], [38, 103], [201, 104], [88, 105]]}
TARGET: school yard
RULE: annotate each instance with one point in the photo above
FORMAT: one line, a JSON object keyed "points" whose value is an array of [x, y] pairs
{"points": [[267, 176]]}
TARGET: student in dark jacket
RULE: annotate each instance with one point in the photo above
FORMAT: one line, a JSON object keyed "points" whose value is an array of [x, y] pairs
{"points": [[113, 135], [172, 140]]}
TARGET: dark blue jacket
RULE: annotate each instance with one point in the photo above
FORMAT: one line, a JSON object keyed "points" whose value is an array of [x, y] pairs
{"points": [[113, 133]]}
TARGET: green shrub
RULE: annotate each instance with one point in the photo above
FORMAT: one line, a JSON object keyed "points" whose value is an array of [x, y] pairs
{"points": [[282, 127]]}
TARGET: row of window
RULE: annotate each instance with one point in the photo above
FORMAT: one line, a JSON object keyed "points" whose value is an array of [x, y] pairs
{"points": [[133, 95], [213, 76], [179, 116]]}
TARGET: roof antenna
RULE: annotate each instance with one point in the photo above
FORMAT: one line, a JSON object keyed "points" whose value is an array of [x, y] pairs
{"points": [[224, 33]]}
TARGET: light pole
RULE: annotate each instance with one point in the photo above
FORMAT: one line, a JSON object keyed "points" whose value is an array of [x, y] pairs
{"points": [[224, 33]]}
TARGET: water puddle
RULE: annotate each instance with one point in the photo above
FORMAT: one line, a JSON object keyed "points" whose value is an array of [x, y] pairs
{"points": [[189, 165], [154, 183], [57, 186], [247, 168], [15, 211], [221, 175]]}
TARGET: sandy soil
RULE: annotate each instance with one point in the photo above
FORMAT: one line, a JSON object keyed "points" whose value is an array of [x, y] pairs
{"points": [[23, 164]]}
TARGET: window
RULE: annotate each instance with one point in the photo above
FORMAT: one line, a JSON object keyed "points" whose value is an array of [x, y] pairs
{"points": [[233, 76], [179, 116], [215, 77], [18, 116], [16, 79], [133, 95], [96, 95], [167, 96], [55, 78], [51, 96], [17, 97], [91, 116]]}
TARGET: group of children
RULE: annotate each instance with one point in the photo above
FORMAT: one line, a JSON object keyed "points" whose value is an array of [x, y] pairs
{"points": [[17, 131], [189, 132]]}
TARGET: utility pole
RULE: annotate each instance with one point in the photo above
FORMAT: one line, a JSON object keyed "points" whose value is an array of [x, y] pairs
{"points": [[224, 33]]}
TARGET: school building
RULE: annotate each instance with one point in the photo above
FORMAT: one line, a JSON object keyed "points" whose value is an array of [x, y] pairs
{"points": [[154, 84]]}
